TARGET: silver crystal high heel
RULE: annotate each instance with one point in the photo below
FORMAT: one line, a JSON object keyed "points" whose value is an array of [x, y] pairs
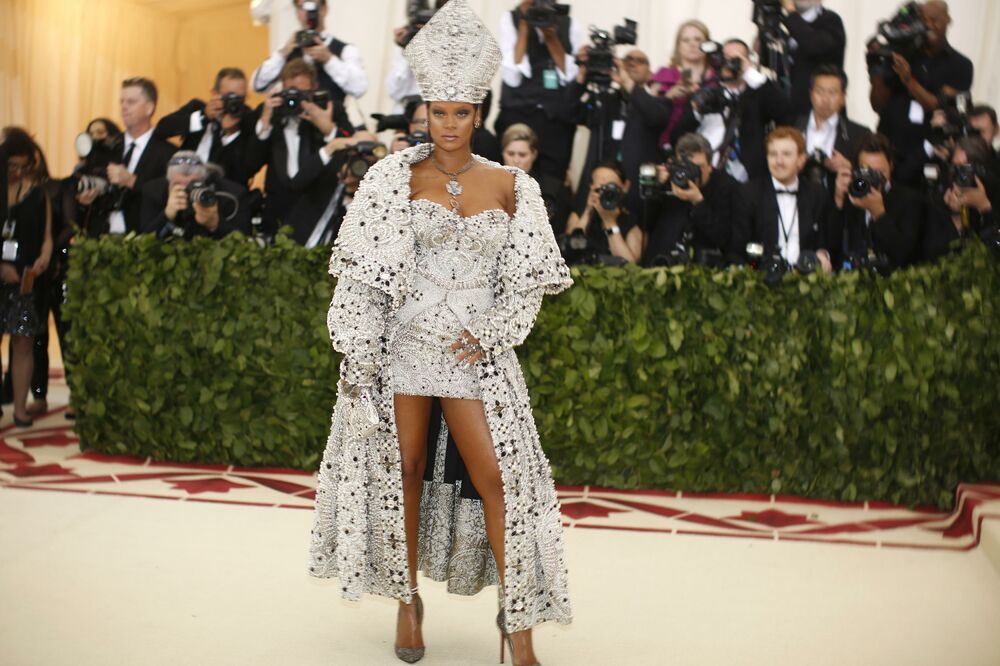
{"points": [[412, 655], [505, 637]]}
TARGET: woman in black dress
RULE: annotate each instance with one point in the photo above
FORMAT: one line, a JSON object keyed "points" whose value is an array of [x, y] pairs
{"points": [[26, 238]]}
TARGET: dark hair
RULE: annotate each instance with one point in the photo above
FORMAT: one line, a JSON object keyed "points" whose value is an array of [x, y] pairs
{"points": [[692, 143], [975, 149], [737, 40], [228, 73], [18, 143], [148, 87], [321, 3], [984, 110], [613, 166], [829, 70], [113, 129], [875, 143]]}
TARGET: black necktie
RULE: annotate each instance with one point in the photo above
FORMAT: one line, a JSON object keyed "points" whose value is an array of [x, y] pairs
{"points": [[128, 155], [792, 192]]}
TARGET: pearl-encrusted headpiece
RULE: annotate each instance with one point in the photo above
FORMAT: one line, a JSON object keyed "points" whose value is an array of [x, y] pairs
{"points": [[454, 57]]}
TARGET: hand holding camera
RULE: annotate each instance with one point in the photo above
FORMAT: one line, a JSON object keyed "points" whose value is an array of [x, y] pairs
{"points": [[320, 116], [865, 191], [177, 201], [967, 191], [118, 174]]}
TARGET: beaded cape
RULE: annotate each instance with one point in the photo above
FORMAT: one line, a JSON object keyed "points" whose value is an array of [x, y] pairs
{"points": [[358, 534]]}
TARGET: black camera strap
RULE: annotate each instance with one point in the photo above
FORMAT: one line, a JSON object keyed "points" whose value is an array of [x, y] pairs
{"points": [[787, 231], [10, 220]]}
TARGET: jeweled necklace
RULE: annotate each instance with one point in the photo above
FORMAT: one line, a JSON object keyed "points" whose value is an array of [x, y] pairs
{"points": [[454, 187]]}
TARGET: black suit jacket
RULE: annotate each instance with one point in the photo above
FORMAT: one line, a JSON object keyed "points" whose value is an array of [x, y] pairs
{"points": [[821, 42], [760, 219], [302, 200], [897, 235], [231, 157], [849, 136], [709, 223], [152, 165], [758, 110], [154, 201]]}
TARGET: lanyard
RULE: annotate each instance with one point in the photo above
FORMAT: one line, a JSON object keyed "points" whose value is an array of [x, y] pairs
{"points": [[787, 232], [10, 223]]}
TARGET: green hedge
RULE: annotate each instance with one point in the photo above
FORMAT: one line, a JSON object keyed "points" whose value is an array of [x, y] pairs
{"points": [[849, 388]]}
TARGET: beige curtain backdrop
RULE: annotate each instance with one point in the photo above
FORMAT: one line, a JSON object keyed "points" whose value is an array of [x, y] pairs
{"points": [[62, 61]]}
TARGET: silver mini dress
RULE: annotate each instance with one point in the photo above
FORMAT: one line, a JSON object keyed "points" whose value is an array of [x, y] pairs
{"points": [[456, 259]]}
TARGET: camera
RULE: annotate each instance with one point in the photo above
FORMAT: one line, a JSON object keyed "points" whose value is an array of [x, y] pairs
{"points": [[418, 14], [864, 182], [774, 266], [905, 34], [712, 99], [767, 18], [202, 192], [544, 13], [576, 249], [716, 60], [965, 175], [649, 183], [96, 156], [308, 37], [814, 170], [956, 111], [867, 262], [417, 138], [683, 172], [293, 98], [363, 155], [601, 55], [233, 104], [611, 196]]}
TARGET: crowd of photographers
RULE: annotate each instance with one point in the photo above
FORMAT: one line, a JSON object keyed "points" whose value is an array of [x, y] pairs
{"points": [[731, 154]]}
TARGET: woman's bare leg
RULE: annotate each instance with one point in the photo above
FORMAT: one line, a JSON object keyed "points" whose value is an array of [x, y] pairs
{"points": [[468, 426], [413, 415]]}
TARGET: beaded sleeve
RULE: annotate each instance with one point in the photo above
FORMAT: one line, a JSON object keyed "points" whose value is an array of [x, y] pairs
{"points": [[529, 267], [356, 321]]}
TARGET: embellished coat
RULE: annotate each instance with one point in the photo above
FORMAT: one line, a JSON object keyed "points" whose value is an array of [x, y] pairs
{"points": [[358, 534]]}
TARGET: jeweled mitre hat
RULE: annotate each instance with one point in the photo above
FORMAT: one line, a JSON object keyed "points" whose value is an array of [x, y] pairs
{"points": [[454, 57]]}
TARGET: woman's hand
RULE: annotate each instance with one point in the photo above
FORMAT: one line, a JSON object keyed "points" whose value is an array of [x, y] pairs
{"points": [[8, 274], [471, 351]]}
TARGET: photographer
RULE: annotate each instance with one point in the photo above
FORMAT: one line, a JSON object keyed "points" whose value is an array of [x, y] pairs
{"points": [[906, 94], [400, 83], [966, 208], [734, 115], [611, 235], [340, 70], [983, 119], [193, 201], [816, 39], [537, 65], [363, 153], [786, 214], [875, 218], [830, 135], [297, 140], [687, 72], [625, 121], [218, 130], [520, 149], [693, 220], [113, 204]]}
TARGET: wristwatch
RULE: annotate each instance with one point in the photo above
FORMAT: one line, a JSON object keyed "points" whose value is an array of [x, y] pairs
{"points": [[611, 231]]}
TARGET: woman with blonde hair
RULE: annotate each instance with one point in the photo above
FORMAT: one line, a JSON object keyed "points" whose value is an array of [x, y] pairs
{"points": [[687, 72], [520, 149]]}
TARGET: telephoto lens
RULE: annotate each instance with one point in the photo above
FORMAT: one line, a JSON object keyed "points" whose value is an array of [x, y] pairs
{"points": [[864, 181], [611, 196], [202, 193]]}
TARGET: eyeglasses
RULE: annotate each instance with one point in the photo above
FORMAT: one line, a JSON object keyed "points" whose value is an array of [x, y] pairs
{"points": [[637, 60], [185, 161], [421, 123]]}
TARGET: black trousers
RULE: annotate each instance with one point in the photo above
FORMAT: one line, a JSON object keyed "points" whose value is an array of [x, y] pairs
{"points": [[555, 138]]}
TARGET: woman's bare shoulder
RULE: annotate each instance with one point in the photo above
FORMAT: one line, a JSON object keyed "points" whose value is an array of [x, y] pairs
{"points": [[501, 181]]}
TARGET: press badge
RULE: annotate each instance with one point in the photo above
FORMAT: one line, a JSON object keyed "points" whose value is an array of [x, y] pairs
{"points": [[550, 79], [10, 248], [617, 130]]}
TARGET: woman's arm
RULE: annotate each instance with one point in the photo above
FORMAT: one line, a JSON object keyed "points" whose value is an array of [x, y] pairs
{"points": [[356, 321]]}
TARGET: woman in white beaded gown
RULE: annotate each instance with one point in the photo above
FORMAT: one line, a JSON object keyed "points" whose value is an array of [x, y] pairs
{"points": [[433, 461]]}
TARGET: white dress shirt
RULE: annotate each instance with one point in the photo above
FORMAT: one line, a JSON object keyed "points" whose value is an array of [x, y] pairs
{"points": [[117, 217], [293, 142], [347, 71], [713, 125], [788, 221], [204, 149], [400, 83], [823, 137], [513, 73]]}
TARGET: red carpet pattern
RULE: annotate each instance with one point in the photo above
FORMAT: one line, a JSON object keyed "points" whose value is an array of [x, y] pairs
{"points": [[47, 457]]}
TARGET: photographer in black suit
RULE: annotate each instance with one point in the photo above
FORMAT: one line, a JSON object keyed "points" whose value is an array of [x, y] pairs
{"points": [[785, 214], [983, 119], [297, 139], [737, 132], [139, 157], [875, 219], [831, 137], [339, 67], [906, 97], [193, 201], [218, 130], [817, 39], [967, 206], [692, 222]]}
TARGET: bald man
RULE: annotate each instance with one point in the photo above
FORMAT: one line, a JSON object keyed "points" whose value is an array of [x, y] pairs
{"points": [[906, 99]]}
